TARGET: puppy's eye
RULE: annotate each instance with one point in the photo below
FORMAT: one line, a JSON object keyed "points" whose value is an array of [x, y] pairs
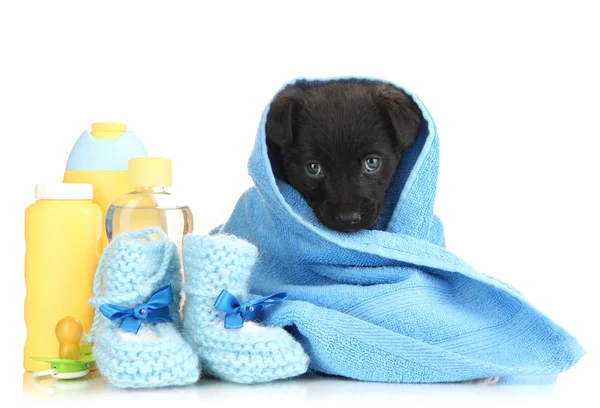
{"points": [[313, 169], [371, 163]]}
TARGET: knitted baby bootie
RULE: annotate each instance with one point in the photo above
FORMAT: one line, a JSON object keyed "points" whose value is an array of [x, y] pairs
{"points": [[174, 278], [135, 342], [217, 267]]}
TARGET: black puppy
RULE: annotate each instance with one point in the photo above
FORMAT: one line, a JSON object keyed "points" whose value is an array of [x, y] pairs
{"points": [[340, 145]]}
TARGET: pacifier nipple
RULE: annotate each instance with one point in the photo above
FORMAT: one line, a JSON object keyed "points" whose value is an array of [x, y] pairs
{"points": [[68, 333]]}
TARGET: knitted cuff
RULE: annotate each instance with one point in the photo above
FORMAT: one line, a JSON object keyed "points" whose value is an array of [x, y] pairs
{"points": [[214, 263], [131, 268]]}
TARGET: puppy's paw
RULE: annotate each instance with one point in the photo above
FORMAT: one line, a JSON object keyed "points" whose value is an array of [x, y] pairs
{"points": [[490, 380], [484, 381]]}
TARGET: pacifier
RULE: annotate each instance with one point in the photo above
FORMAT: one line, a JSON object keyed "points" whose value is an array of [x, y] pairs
{"points": [[73, 360]]}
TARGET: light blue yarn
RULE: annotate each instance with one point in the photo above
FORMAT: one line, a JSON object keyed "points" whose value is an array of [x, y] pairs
{"points": [[174, 277], [132, 268], [390, 304], [212, 264]]}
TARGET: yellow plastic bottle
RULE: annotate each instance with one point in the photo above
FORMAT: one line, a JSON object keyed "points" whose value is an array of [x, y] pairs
{"points": [[101, 158], [62, 232]]}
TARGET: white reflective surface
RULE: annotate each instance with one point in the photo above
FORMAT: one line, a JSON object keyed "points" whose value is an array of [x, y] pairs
{"points": [[571, 387]]}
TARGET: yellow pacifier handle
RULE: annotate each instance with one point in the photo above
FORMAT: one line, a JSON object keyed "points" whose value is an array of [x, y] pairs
{"points": [[68, 333]]}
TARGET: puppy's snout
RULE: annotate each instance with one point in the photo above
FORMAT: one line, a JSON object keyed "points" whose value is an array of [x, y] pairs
{"points": [[348, 219]]}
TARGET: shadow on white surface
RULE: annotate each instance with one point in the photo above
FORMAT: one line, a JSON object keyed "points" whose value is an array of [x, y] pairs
{"points": [[576, 385], [308, 387]]}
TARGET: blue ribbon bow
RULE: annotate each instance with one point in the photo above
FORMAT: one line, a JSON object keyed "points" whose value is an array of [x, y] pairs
{"points": [[236, 312], [155, 310]]}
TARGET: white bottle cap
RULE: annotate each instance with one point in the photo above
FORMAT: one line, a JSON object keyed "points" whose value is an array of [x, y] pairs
{"points": [[64, 191]]}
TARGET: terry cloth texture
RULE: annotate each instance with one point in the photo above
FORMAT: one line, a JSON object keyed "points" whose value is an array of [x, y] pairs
{"points": [[390, 304]]}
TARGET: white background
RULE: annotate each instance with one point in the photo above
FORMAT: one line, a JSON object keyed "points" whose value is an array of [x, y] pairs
{"points": [[513, 88]]}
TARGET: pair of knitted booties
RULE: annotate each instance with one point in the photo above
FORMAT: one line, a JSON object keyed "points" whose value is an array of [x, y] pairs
{"points": [[141, 340]]}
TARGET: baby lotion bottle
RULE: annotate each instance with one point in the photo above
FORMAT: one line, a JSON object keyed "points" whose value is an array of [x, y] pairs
{"points": [[100, 158], [150, 204], [62, 232]]}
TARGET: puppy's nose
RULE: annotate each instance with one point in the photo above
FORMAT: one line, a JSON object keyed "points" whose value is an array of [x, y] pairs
{"points": [[348, 219]]}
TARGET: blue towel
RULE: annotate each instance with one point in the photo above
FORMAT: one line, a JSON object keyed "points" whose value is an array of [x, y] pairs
{"points": [[390, 304]]}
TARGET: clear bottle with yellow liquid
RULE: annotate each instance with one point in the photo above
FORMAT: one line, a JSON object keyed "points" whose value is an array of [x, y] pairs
{"points": [[62, 232], [100, 158], [150, 204]]}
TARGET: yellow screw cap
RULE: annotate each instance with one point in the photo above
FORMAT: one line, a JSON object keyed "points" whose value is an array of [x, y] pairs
{"points": [[150, 172], [108, 130]]}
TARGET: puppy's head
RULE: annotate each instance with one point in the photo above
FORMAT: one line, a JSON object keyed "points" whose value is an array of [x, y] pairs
{"points": [[340, 146]]}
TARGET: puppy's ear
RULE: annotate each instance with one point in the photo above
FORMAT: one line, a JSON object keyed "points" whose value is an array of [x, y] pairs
{"points": [[281, 119], [402, 112]]}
